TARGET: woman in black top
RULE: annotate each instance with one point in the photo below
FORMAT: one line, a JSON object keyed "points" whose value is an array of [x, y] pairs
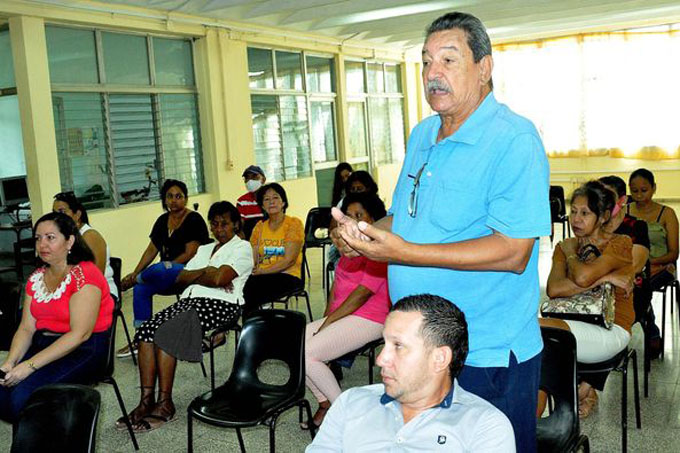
{"points": [[176, 235]]}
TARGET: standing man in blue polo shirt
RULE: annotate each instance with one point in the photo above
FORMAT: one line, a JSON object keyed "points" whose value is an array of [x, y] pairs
{"points": [[470, 204]]}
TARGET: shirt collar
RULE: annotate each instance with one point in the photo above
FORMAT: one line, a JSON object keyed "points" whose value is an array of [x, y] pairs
{"points": [[450, 398], [473, 127]]}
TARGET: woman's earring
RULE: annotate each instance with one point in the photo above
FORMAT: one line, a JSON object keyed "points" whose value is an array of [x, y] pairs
{"points": [[69, 251]]}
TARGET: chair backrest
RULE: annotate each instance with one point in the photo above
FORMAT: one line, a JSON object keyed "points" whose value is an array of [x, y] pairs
{"points": [[317, 218], [58, 417], [558, 380], [10, 299], [558, 207], [271, 335]]}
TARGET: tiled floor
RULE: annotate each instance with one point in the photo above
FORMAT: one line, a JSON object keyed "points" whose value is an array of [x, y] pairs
{"points": [[660, 412]]}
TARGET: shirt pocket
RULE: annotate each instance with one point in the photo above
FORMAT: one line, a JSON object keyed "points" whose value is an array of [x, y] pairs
{"points": [[457, 207]]}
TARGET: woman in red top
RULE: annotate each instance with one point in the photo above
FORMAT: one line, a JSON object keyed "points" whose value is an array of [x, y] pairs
{"points": [[67, 312]]}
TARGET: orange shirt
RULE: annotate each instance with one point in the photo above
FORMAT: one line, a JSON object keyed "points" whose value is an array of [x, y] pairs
{"points": [[271, 244]]}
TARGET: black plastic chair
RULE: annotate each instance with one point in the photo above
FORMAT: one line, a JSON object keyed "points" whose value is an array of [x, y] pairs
{"points": [[210, 338], [560, 431], [558, 211], [619, 363], [58, 417], [10, 300], [674, 286], [318, 218], [106, 376], [367, 350], [244, 400], [116, 266]]}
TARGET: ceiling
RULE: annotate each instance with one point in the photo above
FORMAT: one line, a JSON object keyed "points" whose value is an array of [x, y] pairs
{"points": [[401, 23]]}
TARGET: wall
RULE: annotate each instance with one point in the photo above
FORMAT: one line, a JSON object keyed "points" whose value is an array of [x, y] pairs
{"points": [[570, 172], [220, 58]]}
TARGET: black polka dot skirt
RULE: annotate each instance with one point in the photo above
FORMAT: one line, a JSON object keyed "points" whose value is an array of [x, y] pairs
{"points": [[179, 329]]}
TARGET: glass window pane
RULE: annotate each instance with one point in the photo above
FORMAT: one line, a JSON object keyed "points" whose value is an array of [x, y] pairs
{"points": [[260, 68], [6, 61], [376, 82], [173, 63], [267, 135], [71, 55], [126, 60], [320, 75], [396, 107], [354, 72], [81, 149], [181, 140], [380, 126], [12, 148], [133, 140], [288, 71], [295, 132], [323, 137], [357, 130], [392, 78]]}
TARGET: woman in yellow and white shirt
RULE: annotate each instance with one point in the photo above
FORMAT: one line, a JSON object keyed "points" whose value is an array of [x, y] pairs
{"points": [[277, 250]]}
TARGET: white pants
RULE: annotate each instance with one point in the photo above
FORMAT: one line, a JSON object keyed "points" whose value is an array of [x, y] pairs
{"points": [[597, 344]]}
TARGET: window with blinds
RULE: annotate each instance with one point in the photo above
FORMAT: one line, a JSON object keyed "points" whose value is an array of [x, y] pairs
{"points": [[117, 145], [293, 107]]}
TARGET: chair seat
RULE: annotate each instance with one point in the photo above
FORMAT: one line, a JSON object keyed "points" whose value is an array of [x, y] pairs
{"points": [[606, 365], [231, 406]]}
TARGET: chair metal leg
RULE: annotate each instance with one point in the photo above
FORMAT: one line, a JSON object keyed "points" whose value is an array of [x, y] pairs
{"points": [[310, 419], [205, 375], [190, 432], [309, 307], [647, 364], [112, 381], [127, 335], [240, 440], [636, 390], [371, 363], [212, 366], [663, 324], [272, 433], [624, 406]]}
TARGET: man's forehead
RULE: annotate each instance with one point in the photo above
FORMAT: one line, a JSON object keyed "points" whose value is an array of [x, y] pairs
{"points": [[403, 323], [454, 39]]}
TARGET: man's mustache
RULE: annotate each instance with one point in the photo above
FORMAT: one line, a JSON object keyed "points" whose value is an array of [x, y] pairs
{"points": [[437, 84]]}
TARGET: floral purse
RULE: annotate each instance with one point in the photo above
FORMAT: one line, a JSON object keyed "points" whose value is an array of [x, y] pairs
{"points": [[594, 306]]}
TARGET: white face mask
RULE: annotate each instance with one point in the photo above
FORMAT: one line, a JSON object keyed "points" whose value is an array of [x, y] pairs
{"points": [[253, 184]]}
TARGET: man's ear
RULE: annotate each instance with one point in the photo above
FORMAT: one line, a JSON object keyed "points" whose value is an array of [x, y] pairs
{"points": [[485, 69], [442, 357]]}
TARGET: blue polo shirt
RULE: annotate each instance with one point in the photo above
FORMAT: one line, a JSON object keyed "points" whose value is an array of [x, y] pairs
{"points": [[491, 174]]}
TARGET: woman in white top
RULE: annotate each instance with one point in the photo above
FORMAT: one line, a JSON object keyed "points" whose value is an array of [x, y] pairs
{"points": [[214, 280], [67, 203]]}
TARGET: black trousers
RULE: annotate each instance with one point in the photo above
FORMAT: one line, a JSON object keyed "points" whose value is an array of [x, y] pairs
{"points": [[262, 289]]}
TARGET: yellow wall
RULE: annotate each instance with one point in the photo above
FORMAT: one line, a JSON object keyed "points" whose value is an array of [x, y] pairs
{"points": [[221, 66]]}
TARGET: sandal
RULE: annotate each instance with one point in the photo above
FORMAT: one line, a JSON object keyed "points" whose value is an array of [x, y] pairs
{"points": [[218, 341], [151, 422], [588, 405], [145, 406], [319, 415]]}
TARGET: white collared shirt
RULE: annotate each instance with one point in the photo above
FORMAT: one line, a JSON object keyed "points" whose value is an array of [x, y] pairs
{"points": [[365, 419], [238, 254]]}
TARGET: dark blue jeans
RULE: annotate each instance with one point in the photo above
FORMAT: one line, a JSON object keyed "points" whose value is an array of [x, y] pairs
{"points": [[81, 366], [155, 279], [514, 391]]}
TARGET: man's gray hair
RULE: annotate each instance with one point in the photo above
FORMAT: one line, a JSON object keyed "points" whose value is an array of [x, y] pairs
{"points": [[443, 325], [477, 37]]}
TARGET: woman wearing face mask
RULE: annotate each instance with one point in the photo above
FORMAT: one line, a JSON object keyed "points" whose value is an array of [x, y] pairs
{"points": [[254, 178]]}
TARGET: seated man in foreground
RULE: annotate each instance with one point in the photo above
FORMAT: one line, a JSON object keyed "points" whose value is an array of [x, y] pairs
{"points": [[420, 405]]}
